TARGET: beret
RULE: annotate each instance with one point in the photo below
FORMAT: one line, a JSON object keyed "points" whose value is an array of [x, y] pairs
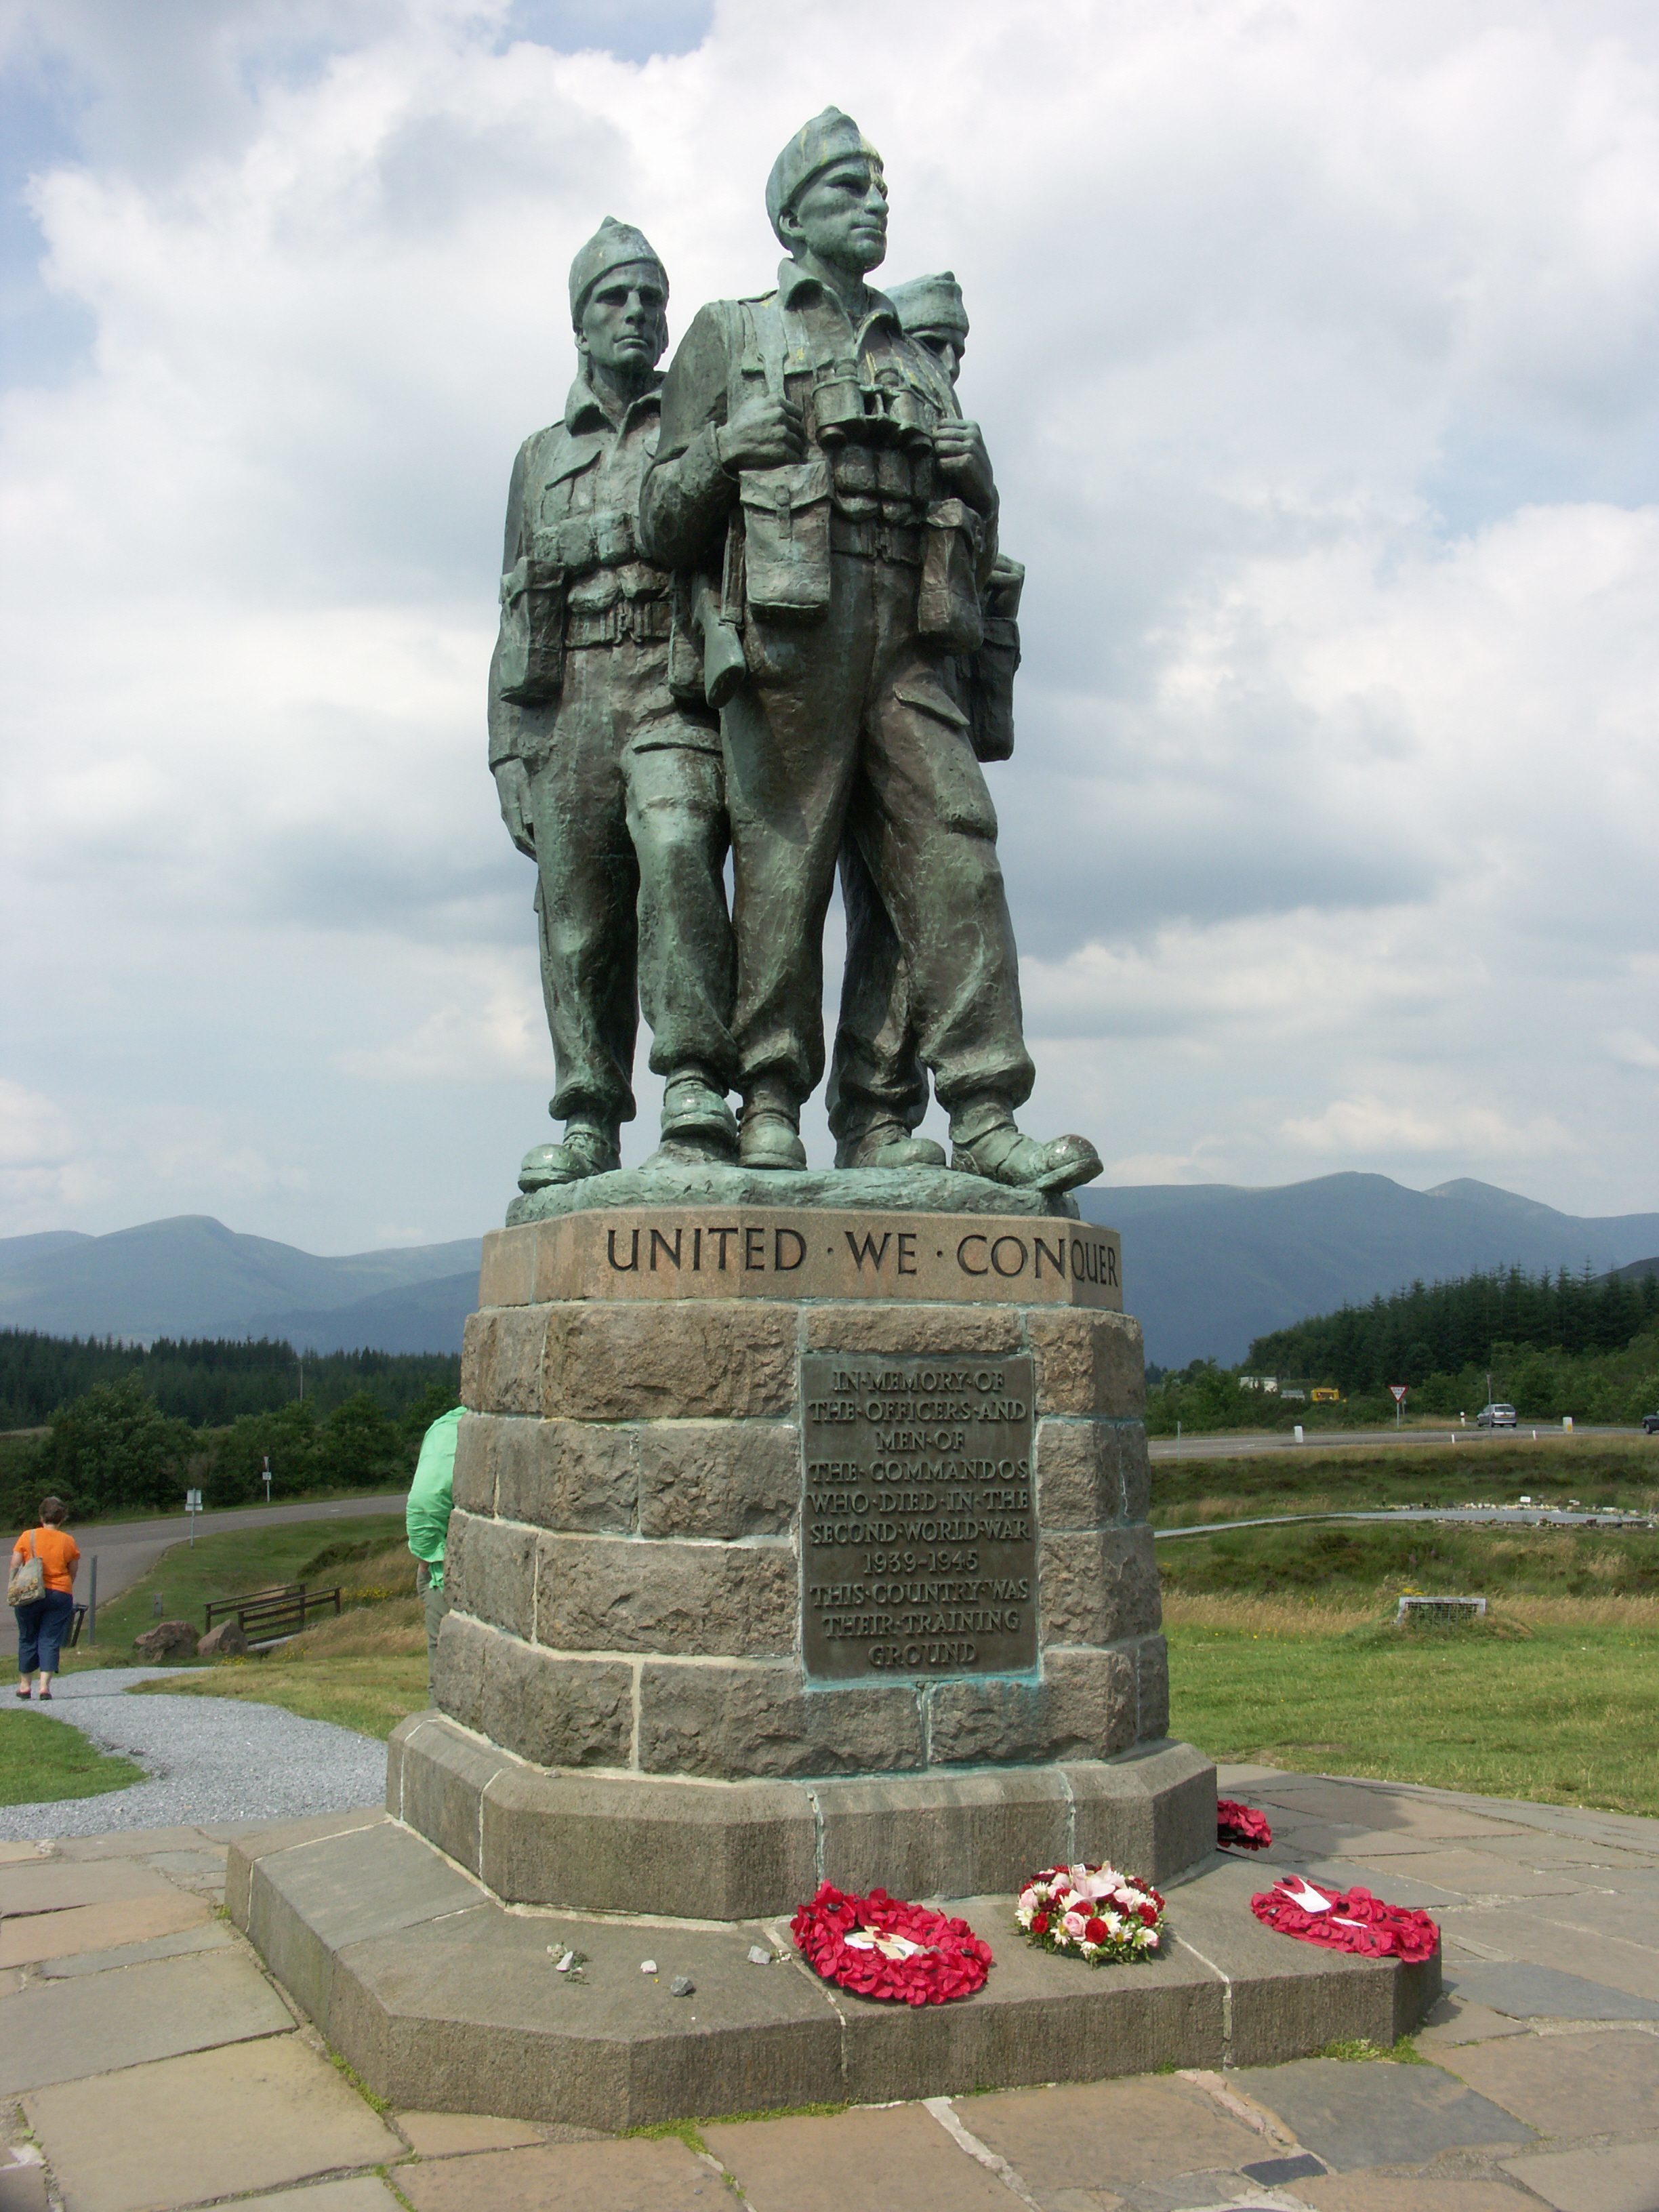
{"points": [[930, 303], [831, 136], [612, 246]]}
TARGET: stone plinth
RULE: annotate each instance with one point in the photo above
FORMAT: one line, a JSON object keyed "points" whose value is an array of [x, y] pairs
{"points": [[820, 1497], [790, 1543]]}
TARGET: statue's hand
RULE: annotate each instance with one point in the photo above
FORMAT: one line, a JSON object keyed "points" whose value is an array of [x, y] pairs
{"points": [[513, 787], [764, 433], [959, 454]]}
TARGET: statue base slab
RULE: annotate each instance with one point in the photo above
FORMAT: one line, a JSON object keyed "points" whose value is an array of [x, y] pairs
{"points": [[716, 1182], [442, 1998]]}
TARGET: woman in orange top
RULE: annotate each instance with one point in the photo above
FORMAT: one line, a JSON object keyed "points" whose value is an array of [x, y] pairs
{"points": [[43, 1624]]}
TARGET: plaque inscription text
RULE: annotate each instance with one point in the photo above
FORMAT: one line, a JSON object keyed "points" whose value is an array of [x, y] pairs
{"points": [[917, 1544]]}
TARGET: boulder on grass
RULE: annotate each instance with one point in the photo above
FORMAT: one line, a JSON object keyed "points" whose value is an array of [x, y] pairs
{"points": [[227, 1641], [168, 1639]]}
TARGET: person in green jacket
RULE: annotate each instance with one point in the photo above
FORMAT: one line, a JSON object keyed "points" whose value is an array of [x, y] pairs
{"points": [[426, 1516]]}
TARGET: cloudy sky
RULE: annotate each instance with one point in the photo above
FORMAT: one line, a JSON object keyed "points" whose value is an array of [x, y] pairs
{"points": [[1316, 346]]}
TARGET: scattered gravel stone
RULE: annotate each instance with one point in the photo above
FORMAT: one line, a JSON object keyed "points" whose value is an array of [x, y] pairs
{"points": [[207, 1759], [758, 1956], [681, 1986], [647, 1966]]}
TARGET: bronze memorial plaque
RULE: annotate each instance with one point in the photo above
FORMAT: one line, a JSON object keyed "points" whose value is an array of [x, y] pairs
{"points": [[918, 1550]]}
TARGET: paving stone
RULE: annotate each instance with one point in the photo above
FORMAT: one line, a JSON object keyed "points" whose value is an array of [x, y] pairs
{"points": [[1605, 2084], [1455, 2019], [1525, 1992], [1621, 1965], [1378, 2113], [67, 2030], [38, 1936], [662, 2176], [1476, 1873], [363, 2194], [1613, 1917], [11, 1981], [1370, 1809], [1379, 2192], [207, 1863], [446, 2135], [898, 2158], [15, 1854], [53, 1886], [152, 2138], [1624, 2177], [213, 1936], [23, 2189], [1534, 1850], [1109, 2134], [127, 1843]]}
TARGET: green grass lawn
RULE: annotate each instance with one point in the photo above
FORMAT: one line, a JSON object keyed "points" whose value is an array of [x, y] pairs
{"points": [[1363, 1562], [1557, 1702], [41, 1759], [226, 1565]]}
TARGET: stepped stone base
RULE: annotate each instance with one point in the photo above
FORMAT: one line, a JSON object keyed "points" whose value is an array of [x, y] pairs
{"points": [[443, 1998], [729, 1850]]}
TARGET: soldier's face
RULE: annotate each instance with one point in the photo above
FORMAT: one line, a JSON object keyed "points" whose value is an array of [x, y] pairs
{"points": [[624, 324], [947, 347], [841, 217]]}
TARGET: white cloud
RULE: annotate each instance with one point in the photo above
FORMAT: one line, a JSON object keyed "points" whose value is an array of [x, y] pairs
{"points": [[1368, 1126], [1314, 349]]}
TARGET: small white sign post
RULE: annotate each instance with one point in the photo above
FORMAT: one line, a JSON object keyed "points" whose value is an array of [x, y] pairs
{"points": [[192, 1506], [1397, 1392], [264, 1476]]}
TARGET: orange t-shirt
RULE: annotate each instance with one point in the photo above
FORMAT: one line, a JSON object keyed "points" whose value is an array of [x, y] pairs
{"points": [[55, 1552]]}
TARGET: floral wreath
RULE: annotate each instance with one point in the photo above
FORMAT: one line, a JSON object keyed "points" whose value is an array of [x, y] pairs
{"points": [[1347, 1920], [1241, 1826], [1094, 1911], [880, 1946]]}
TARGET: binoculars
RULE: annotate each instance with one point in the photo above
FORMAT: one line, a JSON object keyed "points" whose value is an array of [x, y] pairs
{"points": [[869, 414]]}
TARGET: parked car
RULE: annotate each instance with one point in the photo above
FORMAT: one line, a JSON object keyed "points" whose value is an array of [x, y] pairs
{"points": [[1496, 1417], [1650, 1424]]}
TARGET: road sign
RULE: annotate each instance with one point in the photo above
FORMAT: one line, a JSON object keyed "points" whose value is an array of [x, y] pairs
{"points": [[1397, 1392], [192, 1506]]}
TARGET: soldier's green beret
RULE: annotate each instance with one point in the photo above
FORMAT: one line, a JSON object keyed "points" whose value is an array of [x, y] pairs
{"points": [[831, 136], [613, 246], [930, 303]]}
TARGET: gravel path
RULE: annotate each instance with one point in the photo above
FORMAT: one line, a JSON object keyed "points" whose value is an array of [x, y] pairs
{"points": [[208, 1759]]}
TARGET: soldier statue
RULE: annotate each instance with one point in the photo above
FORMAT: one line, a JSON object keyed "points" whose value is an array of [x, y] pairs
{"points": [[609, 781], [878, 1089], [815, 481]]}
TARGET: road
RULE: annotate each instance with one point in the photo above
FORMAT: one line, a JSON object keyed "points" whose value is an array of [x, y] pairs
{"points": [[125, 1549], [1241, 1445]]}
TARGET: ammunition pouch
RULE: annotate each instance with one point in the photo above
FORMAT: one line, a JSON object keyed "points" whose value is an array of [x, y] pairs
{"points": [[647, 622], [991, 670], [531, 664], [786, 538], [606, 538], [948, 600]]}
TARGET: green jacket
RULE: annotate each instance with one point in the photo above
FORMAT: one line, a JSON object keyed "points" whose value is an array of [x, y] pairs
{"points": [[432, 1494]]}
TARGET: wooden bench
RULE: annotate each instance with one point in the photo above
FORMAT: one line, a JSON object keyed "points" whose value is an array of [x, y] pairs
{"points": [[284, 1610]]}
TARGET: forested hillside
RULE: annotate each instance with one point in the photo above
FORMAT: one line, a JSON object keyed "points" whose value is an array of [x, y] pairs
{"points": [[126, 1428], [209, 1380], [1442, 1328]]}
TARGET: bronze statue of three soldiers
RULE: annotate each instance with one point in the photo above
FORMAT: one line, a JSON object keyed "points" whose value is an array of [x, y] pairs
{"points": [[758, 605]]}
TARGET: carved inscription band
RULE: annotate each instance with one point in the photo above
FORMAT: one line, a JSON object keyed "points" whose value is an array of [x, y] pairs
{"points": [[800, 1252], [917, 1530]]}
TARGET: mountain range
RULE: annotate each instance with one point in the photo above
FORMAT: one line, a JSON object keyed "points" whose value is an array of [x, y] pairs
{"points": [[1207, 1266], [1210, 1267]]}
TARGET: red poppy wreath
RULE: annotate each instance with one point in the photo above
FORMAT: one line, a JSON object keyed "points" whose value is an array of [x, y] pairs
{"points": [[1347, 1920], [1241, 1826], [880, 1946]]}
